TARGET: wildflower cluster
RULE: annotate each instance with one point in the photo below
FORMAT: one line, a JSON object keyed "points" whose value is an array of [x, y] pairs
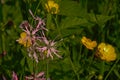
{"points": [[38, 46], [104, 51]]}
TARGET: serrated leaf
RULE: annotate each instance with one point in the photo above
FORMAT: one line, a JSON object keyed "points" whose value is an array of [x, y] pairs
{"points": [[98, 19]]}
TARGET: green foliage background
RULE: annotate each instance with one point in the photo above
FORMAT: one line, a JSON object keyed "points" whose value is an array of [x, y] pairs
{"points": [[97, 19]]}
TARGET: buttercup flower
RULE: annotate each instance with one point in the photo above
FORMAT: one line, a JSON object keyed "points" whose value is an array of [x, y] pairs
{"points": [[52, 7], [88, 43], [106, 52], [25, 40]]}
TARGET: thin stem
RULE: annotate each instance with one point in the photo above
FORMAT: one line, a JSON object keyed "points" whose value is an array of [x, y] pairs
{"points": [[111, 69], [55, 19], [73, 67], [33, 67], [79, 57], [37, 7], [36, 10], [1, 15], [3, 42], [102, 68], [47, 67]]}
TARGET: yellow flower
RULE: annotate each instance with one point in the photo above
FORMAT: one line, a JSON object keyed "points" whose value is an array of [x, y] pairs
{"points": [[88, 43], [106, 52], [52, 7], [24, 40]]}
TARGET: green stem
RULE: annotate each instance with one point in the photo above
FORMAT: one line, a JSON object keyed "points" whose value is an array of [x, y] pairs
{"points": [[79, 57], [102, 68], [1, 15], [36, 11], [55, 19], [111, 69], [49, 20], [91, 59], [47, 67], [37, 7], [3, 42], [34, 67], [73, 67]]}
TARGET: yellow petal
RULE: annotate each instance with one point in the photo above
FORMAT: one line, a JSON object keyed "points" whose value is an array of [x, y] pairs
{"points": [[25, 40], [88, 43], [106, 52], [52, 7]]}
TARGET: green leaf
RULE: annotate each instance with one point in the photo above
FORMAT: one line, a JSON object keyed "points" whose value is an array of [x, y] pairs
{"points": [[71, 8], [73, 21], [98, 19]]}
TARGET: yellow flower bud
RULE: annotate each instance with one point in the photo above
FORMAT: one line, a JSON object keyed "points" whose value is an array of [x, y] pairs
{"points": [[88, 43]]}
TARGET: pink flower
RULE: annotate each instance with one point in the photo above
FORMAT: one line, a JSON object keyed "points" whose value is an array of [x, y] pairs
{"points": [[39, 76], [14, 76], [49, 48], [32, 35], [3, 77]]}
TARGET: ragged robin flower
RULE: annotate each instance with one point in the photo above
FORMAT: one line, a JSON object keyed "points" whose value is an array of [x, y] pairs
{"points": [[88, 43], [106, 52], [39, 76], [24, 40], [49, 49], [31, 35], [52, 7]]}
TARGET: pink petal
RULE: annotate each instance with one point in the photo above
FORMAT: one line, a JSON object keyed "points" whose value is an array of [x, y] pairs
{"points": [[4, 77], [40, 74], [35, 56], [30, 77], [52, 43], [54, 51], [14, 76], [49, 54], [45, 40]]}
